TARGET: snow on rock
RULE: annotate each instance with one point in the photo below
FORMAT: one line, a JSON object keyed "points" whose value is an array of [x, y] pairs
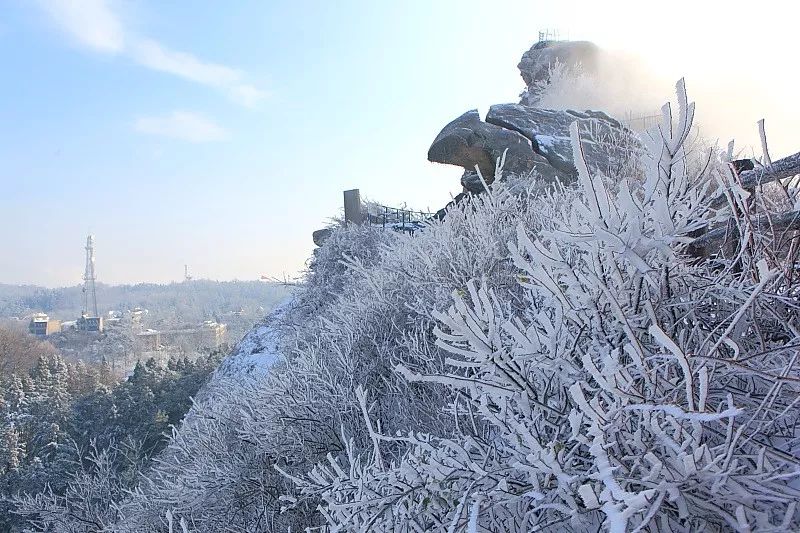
{"points": [[468, 141], [535, 65], [605, 142], [531, 137], [259, 348]]}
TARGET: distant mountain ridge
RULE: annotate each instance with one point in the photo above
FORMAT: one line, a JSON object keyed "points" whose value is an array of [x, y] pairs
{"points": [[202, 298]]}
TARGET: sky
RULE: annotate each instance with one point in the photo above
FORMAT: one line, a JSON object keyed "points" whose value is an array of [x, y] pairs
{"points": [[221, 135]]}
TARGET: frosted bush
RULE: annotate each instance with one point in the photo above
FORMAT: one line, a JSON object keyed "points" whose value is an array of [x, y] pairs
{"points": [[618, 84], [566, 87], [628, 386], [543, 359]]}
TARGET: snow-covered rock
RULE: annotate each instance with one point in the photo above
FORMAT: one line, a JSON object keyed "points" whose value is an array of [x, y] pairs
{"points": [[320, 235], [534, 140], [535, 65], [468, 141], [258, 350], [604, 140]]}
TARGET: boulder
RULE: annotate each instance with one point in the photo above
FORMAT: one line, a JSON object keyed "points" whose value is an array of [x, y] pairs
{"points": [[606, 143], [537, 140], [321, 235], [468, 141], [534, 67], [472, 182]]}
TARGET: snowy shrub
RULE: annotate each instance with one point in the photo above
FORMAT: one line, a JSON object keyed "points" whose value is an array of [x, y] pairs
{"points": [[366, 306], [618, 85], [630, 387], [87, 503], [565, 87], [543, 359]]}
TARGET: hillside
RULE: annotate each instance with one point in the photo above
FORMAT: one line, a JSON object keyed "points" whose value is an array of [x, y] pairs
{"points": [[612, 346]]}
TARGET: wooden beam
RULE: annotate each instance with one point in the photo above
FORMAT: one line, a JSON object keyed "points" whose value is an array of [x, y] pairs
{"points": [[782, 168], [713, 241], [750, 179]]}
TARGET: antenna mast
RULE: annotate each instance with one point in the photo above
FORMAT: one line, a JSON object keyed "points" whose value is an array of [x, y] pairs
{"points": [[89, 292], [186, 276]]}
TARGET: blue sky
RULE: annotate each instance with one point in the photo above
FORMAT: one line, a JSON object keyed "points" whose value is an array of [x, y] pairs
{"points": [[184, 132]]}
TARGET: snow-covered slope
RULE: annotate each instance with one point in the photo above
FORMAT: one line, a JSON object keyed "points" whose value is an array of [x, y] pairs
{"points": [[258, 349], [540, 359]]}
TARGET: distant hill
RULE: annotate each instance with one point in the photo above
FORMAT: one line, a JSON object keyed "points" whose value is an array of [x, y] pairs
{"points": [[185, 302]]}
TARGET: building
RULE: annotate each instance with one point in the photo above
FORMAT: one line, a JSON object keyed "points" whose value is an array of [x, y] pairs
{"points": [[209, 334], [216, 333], [148, 340], [134, 318], [42, 325], [91, 324]]}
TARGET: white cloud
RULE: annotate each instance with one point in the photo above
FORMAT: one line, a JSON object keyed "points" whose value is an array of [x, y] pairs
{"points": [[182, 125], [246, 94], [151, 54], [94, 24], [90, 22]]}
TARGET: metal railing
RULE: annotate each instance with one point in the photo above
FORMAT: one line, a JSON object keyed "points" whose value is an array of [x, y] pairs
{"points": [[641, 122], [400, 219], [374, 214], [550, 34]]}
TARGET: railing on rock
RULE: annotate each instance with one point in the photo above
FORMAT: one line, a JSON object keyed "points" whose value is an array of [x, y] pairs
{"points": [[641, 122], [550, 34], [396, 218]]}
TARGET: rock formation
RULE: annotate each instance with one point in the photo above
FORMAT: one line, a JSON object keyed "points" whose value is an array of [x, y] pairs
{"points": [[468, 141], [321, 235], [603, 139], [534, 67], [537, 140]]}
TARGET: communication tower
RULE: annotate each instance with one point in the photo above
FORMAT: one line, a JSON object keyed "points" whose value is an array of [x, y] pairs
{"points": [[89, 278]]}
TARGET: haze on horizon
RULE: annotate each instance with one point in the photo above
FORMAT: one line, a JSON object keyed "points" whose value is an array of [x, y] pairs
{"points": [[222, 139]]}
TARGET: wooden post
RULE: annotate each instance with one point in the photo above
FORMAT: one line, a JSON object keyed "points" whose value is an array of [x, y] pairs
{"points": [[352, 207]]}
